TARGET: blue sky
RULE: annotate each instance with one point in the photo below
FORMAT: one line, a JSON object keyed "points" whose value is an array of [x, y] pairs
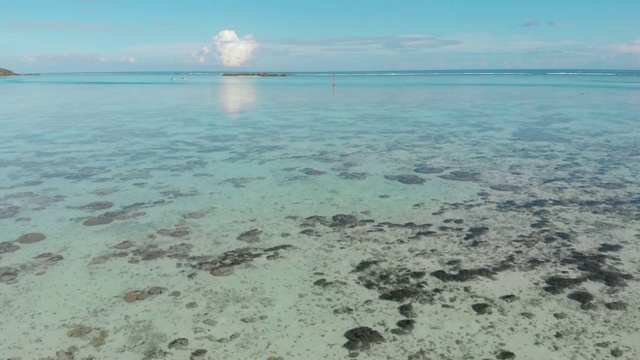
{"points": [[309, 35]]}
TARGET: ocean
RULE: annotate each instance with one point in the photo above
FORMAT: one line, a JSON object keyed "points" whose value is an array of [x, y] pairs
{"points": [[378, 215]]}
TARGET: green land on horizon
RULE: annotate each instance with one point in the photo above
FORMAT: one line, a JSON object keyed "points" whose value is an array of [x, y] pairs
{"points": [[5, 72]]}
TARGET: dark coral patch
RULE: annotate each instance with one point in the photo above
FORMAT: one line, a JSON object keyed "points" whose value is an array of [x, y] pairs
{"points": [[557, 284], [313, 172], [404, 327], [481, 308], [365, 264], [406, 324], [426, 169], [9, 212], [609, 247], [461, 176], [48, 258], [361, 338], [616, 305], [402, 294], [31, 238], [8, 275], [98, 220], [597, 270], [97, 205], [611, 185], [8, 246], [463, 274], [505, 355], [475, 232], [194, 215], [251, 236], [406, 179], [582, 297], [352, 176], [124, 245], [180, 232], [149, 253], [343, 220], [157, 290], [407, 310], [339, 221], [509, 298], [229, 258]]}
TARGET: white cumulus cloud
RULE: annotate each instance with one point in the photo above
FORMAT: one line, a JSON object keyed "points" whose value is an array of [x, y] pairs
{"points": [[231, 49], [633, 48], [126, 59], [202, 55]]}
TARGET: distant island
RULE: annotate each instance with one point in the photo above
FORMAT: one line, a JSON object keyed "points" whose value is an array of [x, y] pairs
{"points": [[5, 72], [263, 74]]}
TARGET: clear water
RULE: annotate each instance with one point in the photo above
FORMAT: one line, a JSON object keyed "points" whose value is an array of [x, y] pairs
{"points": [[521, 179]]}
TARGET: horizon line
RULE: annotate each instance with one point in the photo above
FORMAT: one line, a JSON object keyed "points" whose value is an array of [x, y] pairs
{"points": [[333, 71]]}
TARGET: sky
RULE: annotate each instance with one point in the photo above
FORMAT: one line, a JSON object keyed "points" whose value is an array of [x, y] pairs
{"points": [[42, 36]]}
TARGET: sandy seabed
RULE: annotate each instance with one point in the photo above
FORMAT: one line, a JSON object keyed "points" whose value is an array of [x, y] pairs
{"points": [[471, 242]]}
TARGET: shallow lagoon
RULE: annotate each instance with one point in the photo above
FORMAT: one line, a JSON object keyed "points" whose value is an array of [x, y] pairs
{"points": [[407, 216]]}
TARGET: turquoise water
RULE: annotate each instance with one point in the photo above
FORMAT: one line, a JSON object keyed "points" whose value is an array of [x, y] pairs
{"points": [[315, 203]]}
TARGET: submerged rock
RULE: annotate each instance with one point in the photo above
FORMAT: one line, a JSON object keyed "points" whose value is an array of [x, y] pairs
{"points": [[406, 179], [157, 290], [64, 355], [344, 220], [312, 172], [352, 176], [611, 185], [179, 232], [135, 295], [361, 338], [509, 298], [98, 205], [9, 212], [583, 297], [475, 232], [461, 176], [8, 275], [151, 254], [616, 305], [407, 311], [194, 215], [609, 247], [222, 271], [463, 274], [557, 284], [404, 327], [8, 246], [505, 355], [426, 169], [31, 238], [481, 308], [48, 258], [124, 245], [198, 354], [79, 330], [180, 343], [251, 236], [99, 220]]}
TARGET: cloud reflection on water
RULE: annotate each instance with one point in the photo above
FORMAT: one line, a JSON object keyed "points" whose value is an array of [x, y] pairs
{"points": [[237, 95]]}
